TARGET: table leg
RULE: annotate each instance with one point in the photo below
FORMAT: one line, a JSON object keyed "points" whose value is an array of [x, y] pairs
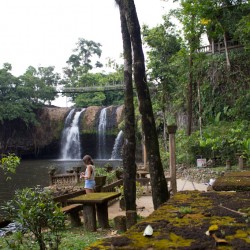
{"points": [[89, 217], [102, 214]]}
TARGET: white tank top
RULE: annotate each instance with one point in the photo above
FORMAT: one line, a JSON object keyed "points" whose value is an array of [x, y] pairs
{"points": [[92, 176]]}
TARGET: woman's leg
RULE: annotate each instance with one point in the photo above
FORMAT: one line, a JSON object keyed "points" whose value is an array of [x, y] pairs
{"points": [[88, 190]]}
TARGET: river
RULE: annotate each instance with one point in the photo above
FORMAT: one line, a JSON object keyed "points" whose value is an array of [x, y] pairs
{"points": [[31, 173]]}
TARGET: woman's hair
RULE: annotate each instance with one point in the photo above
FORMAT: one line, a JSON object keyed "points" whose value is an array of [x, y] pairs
{"points": [[87, 159]]}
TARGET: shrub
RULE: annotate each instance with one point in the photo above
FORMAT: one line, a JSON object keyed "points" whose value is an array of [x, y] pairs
{"points": [[9, 163], [139, 190], [39, 215], [110, 176], [221, 141]]}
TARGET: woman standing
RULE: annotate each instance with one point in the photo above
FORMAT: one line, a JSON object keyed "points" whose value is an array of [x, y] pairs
{"points": [[89, 174]]}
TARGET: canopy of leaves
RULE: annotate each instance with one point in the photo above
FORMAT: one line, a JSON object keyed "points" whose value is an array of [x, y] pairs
{"points": [[20, 96], [164, 43], [220, 95], [79, 73]]}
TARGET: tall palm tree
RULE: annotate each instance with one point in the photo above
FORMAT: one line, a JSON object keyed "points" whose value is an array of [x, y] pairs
{"points": [[158, 182]]}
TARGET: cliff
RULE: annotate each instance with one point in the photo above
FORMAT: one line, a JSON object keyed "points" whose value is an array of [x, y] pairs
{"points": [[43, 139]]}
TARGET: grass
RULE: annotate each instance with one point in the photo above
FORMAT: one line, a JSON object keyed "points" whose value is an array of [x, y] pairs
{"points": [[78, 238], [185, 210], [72, 239]]}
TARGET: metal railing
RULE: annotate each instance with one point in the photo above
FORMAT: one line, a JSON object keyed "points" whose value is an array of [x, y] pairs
{"points": [[88, 89]]}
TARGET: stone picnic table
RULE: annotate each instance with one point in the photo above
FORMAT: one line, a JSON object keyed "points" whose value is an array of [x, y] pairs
{"points": [[95, 203]]}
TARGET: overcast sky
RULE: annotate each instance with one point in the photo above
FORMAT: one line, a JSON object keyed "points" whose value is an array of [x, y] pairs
{"points": [[44, 32]]}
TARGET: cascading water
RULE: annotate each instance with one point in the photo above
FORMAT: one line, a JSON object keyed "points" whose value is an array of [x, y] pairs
{"points": [[116, 153], [102, 134], [70, 141]]}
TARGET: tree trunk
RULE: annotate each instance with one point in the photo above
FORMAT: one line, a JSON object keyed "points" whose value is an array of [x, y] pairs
{"points": [[200, 107], [158, 181], [226, 51], [190, 95], [129, 178], [164, 127]]}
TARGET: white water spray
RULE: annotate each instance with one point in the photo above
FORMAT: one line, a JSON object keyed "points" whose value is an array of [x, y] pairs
{"points": [[102, 134], [116, 153], [70, 142]]}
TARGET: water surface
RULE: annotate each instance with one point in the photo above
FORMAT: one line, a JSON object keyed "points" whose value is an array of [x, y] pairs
{"points": [[31, 173]]}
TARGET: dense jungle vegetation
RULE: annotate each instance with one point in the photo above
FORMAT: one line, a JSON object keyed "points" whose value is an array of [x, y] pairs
{"points": [[206, 94]]}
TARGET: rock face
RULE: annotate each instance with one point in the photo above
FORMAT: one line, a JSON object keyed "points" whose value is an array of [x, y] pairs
{"points": [[89, 130], [43, 139]]}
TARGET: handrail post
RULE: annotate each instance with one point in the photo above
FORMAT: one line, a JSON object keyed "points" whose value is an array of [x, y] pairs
{"points": [[172, 159]]}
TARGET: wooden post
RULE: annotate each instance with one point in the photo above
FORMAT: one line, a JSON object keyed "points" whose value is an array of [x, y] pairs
{"points": [[50, 179], [241, 162], [212, 46], [76, 177], [172, 160], [228, 165], [144, 152]]}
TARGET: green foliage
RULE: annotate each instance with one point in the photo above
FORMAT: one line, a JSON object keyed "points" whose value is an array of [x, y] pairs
{"points": [[82, 58], [21, 96], [36, 211], [164, 43], [164, 154], [243, 31], [139, 190], [90, 99], [221, 142], [9, 163], [110, 175], [246, 149], [186, 147], [79, 73], [185, 210], [72, 239]]}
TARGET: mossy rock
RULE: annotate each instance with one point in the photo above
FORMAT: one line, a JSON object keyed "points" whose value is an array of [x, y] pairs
{"points": [[232, 183], [175, 230], [238, 173]]}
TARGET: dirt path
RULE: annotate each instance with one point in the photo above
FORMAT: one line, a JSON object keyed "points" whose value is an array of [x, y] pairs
{"points": [[145, 205]]}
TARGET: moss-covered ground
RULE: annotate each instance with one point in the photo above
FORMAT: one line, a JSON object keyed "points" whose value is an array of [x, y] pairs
{"points": [[191, 220]]}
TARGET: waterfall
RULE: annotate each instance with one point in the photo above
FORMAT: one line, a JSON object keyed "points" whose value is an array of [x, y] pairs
{"points": [[70, 140], [116, 153], [102, 134]]}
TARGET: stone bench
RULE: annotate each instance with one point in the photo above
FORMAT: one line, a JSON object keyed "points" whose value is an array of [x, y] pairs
{"points": [[62, 199], [73, 212]]}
